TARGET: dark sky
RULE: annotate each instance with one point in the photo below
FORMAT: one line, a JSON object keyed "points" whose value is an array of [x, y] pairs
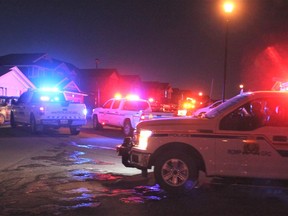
{"points": [[175, 41]]}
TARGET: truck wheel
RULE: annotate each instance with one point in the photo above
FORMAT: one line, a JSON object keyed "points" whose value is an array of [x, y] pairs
{"points": [[12, 120], [74, 130], [127, 128], [176, 172], [2, 119], [96, 123]]}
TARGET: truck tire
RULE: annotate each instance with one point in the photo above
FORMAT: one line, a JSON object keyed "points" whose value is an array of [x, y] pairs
{"points": [[96, 123], [127, 128], [74, 130], [33, 126], [12, 120], [176, 172]]}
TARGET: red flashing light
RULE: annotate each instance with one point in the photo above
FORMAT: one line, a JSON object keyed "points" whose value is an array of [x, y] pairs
{"points": [[151, 100], [117, 96]]}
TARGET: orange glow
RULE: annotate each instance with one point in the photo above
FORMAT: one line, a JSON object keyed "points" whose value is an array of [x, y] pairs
{"points": [[228, 7], [117, 96], [188, 105]]}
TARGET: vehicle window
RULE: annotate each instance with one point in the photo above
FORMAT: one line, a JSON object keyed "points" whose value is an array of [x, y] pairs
{"points": [[135, 105], [24, 98], [257, 113], [108, 104], [3, 102], [224, 106], [215, 104], [48, 97], [116, 104], [7, 100], [277, 113]]}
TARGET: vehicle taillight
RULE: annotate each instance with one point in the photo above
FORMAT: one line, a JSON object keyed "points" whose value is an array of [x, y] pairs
{"points": [[142, 117], [41, 110]]}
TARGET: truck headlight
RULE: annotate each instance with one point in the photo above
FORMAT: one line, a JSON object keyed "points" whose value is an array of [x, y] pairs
{"points": [[143, 139]]}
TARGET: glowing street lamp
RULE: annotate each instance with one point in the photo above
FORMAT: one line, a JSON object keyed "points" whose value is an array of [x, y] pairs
{"points": [[228, 8], [241, 86]]}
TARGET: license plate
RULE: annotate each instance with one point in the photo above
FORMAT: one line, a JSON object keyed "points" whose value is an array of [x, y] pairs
{"points": [[63, 121]]}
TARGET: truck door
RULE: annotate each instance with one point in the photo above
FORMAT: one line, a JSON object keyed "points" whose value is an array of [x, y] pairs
{"points": [[254, 146], [21, 108], [229, 143], [103, 114], [266, 153], [114, 114]]}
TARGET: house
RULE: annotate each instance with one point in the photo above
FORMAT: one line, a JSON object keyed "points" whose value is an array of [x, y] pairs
{"points": [[14, 83], [44, 71]]}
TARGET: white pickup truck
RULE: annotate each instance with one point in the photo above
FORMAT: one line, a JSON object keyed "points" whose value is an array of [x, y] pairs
{"points": [[124, 113], [246, 136], [40, 109]]}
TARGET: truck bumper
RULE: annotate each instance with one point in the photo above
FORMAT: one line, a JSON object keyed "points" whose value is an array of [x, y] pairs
{"points": [[132, 158], [63, 122]]}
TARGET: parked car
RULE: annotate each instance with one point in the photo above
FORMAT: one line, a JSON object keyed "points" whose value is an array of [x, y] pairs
{"points": [[41, 109], [5, 108], [201, 111], [231, 141], [125, 113]]}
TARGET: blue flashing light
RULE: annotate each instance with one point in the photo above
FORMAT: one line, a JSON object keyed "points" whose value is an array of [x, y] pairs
{"points": [[44, 98], [56, 98], [49, 89]]}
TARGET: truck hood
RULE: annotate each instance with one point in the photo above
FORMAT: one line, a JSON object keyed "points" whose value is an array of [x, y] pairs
{"points": [[178, 124]]}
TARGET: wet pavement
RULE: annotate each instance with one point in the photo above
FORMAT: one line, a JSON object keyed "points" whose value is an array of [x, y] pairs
{"points": [[83, 176], [63, 179]]}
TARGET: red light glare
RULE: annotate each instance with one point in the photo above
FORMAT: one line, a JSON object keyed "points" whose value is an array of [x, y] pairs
{"points": [[151, 100], [266, 68]]}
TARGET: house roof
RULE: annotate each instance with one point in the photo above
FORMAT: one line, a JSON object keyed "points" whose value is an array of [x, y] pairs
{"points": [[98, 72], [130, 78], [15, 79], [37, 59], [21, 59], [156, 84]]}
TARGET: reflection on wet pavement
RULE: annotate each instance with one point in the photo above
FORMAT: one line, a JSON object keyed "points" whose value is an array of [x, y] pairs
{"points": [[60, 182], [66, 181], [87, 146]]}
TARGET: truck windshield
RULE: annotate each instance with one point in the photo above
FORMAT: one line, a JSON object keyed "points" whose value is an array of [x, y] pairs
{"points": [[48, 97], [135, 105], [226, 105]]}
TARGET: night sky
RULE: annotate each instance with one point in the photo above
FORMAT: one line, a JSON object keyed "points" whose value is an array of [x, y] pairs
{"points": [[176, 41]]}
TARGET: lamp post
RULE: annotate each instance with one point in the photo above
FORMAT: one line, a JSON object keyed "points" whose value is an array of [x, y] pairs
{"points": [[228, 9]]}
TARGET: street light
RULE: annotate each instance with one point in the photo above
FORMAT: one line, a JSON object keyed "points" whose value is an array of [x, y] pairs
{"points": [[241, 86], [228, 9]]}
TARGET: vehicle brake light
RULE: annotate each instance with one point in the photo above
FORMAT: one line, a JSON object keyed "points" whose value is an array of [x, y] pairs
{"points": [[41, 110]]}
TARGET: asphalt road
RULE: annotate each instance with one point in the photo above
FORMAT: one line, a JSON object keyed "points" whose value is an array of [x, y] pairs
{"points": [[55, 173]]}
